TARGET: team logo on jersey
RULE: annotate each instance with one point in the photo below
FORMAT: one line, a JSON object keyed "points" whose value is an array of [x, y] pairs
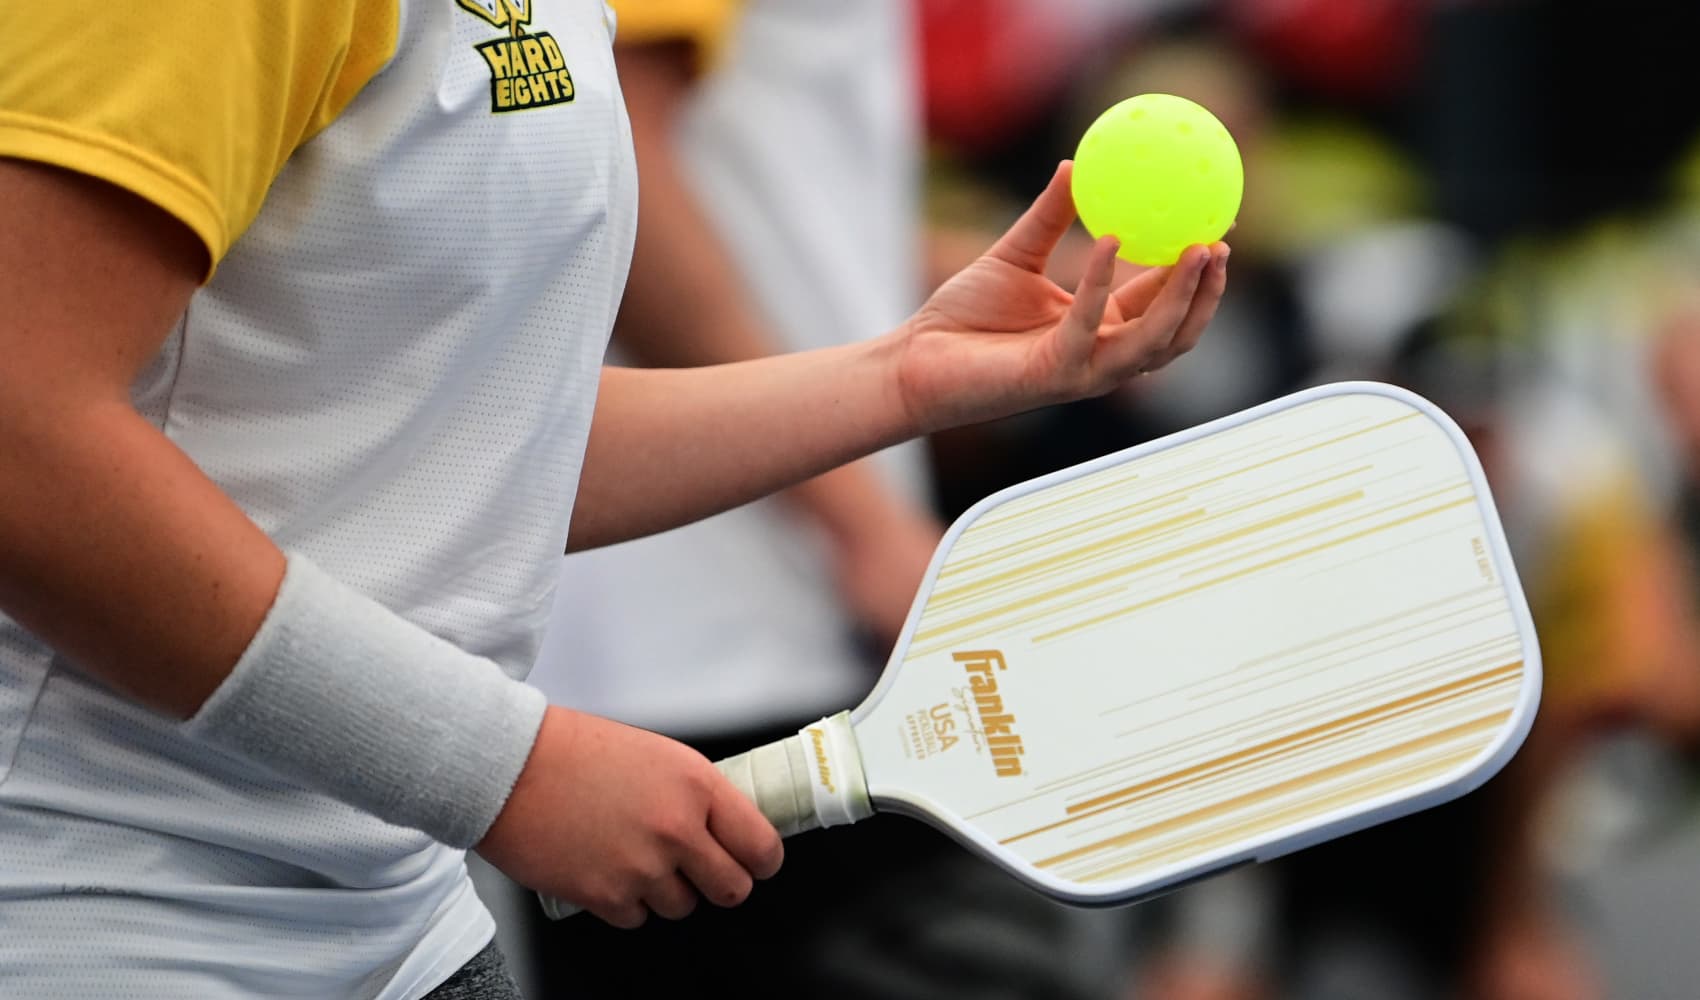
{"points": [[527, 69]]}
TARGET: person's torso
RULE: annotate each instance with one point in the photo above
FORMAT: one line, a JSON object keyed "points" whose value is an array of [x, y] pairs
{"points": [[393, 373]]}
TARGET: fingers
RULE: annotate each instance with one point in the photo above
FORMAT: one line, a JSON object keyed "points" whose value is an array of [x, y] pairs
{"points": [[671, 897], [1029, 242], [720, 878], [1142, 343], [740, 846], [745, 833], [1170, 305], [1079, 335], [1209, 295], [626, 916], [709, 869]]}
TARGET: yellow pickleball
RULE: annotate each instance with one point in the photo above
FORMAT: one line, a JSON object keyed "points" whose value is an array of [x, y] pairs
{"points": [[1160, 173]]}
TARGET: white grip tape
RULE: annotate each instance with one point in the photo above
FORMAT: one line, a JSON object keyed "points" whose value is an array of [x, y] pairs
{"points": [[835, 776], [802, 782]]}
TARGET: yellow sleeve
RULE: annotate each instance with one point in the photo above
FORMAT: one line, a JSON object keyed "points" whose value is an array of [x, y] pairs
{"points": [[193, 106], [704, 23]]}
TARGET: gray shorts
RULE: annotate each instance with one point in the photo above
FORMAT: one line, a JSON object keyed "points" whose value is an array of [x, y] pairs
{"points": [[484, 978]]}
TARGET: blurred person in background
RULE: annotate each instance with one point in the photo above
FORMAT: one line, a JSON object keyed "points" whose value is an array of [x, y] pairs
{"points": [[1591, 288], [778, 152], [1597, 440]]}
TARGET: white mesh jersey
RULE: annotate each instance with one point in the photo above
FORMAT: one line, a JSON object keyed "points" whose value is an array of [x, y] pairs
{"points": [[393, 371]]}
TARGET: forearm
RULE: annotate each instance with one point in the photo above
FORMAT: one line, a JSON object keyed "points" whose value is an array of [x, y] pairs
{"points": [[118, 552], [668, 447], [124, 557]]}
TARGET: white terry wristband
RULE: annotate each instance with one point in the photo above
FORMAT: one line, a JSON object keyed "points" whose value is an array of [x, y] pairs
{"points": [[345, 696]]}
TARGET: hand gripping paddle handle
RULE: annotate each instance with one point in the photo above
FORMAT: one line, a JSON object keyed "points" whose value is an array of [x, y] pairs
{"points": [[803, 782]]}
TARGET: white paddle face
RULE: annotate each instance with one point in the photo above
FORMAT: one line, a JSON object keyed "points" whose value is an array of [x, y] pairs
{"points": [[1257, 635]]}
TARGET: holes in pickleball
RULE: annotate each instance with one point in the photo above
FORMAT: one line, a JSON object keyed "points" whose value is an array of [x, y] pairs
{"points": [[1184, 128], [1203, 166], [1136, 114]]}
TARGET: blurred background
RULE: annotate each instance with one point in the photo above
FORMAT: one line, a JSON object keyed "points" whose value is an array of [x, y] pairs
{"points": [[1495, 203]]}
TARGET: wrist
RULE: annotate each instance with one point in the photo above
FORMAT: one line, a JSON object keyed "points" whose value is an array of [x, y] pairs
{"points": [[946, 377], [505, 833], [915, 407]]}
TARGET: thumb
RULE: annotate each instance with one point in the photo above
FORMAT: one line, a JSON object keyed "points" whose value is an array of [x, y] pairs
{"points": [[1029, 242]]}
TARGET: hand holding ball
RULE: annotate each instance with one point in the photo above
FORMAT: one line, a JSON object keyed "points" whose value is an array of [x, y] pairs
{"points": [[1159, 173]]}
